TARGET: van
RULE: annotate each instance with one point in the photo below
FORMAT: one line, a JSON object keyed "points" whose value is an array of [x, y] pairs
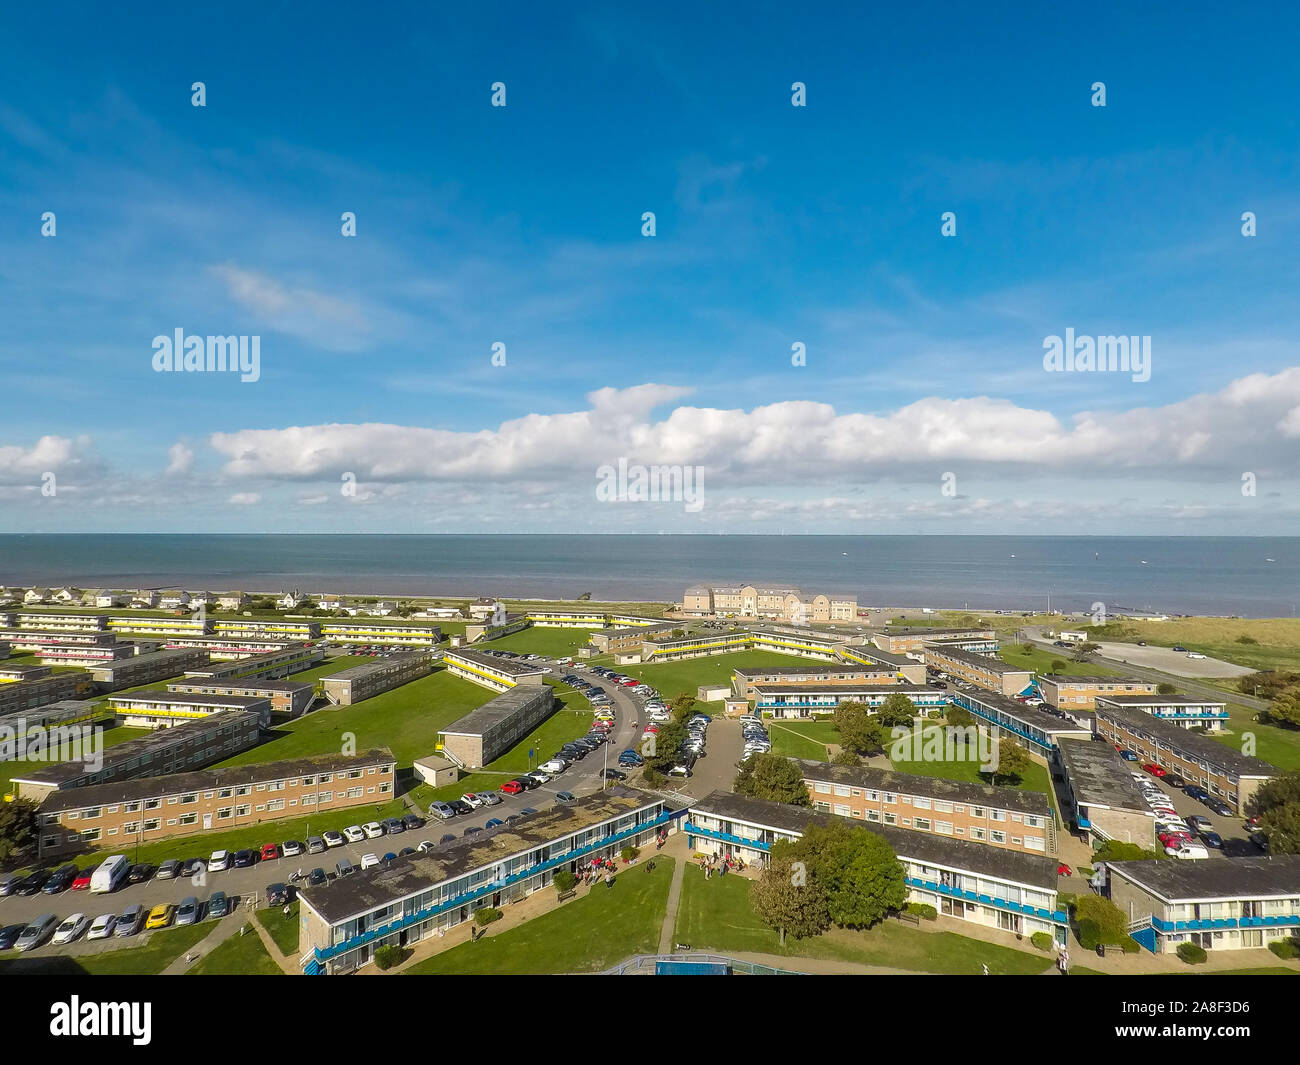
{"points": [[111, 874]]}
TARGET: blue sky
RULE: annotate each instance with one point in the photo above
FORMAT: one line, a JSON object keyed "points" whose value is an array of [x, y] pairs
{"points": [[775, 225]]}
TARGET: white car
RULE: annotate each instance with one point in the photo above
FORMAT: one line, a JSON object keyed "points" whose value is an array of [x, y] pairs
{"points": [[71, 928], [470, 799], [220, 860], [1187, 850], [333, 838], [368, 860], [426, 847], [354, 834], [102, 926], [1193, 654], [292, 848], [372, 829], [553, 766], [540, 775]]}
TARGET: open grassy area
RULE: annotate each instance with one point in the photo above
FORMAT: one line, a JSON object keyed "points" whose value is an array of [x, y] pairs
{"points": [[284, 930], [803, 739], [585, 935], [1036, 778], [133, 958], [1281, 747], [240, 955], [673, 678], [554, 643], [1040, 660], [407, 720], [329, 667], [715, 914], [110, 737]]}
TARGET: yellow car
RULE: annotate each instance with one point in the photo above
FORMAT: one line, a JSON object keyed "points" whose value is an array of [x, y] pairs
{"points": [[160, 916]]}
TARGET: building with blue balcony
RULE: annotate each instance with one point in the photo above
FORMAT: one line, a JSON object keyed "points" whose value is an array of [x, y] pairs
{"points": [[1004, 889], [409, 899], [815, 698], [1039, 730], [1185, 711], [1229, 904], [1101, 797]]}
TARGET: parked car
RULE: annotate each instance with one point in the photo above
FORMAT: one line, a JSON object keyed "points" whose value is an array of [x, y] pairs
{"points": [[60, 880], [71, 928], [461, 807], [490, 798], [102, 926], [412, 821], [218, 905], [613, 774], [315, 845], [372, 829], [37, 932], [189, 911], [9, 935], [82, 880], [333, 838], [369, 860], [8, 883], [555, 765], [494, 822], [1153, 769], [291, 848], [317, 877], [129, 923], [442, 810], [244, 858], [219, 861], [345, 867], [512, 787], [1128, 756], [354, 834], [160, 916], [1212, 840], [564, 796], [1174, 780], [1180, 647]]}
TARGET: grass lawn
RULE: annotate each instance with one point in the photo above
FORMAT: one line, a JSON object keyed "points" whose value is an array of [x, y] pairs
{"points": [[553, 643], [715, 914], [406, 720], [284, 930], [147, 959], [240, 955], [588, 934], [673, 678], [110, 737], [1279, 746], [329, 668], [1040, 660], [803, 739], [1036, 778]]}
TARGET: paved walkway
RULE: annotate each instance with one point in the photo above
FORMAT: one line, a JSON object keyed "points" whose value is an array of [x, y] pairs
{"points": [[225, 928], [667, 933]]}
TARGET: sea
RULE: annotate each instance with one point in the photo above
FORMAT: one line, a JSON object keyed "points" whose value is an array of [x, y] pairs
{"points": [[1241, 576]]}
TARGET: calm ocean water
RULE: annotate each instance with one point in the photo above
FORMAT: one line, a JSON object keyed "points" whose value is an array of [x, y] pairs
{"points": [[1202, 575]]}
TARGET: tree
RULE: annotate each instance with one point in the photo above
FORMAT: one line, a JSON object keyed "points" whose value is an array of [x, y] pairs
{"points": [[846, 757], [678, 633], [771, 776], [1267, 685], [1057, 665], [897, 710], [662, 749], [1284, 710], [858, 728], [564, 882], [682, 706], [787, 901], [1165, 688], [1277, 805], [1013, 760], [1109, 920], [959, 716], [17, 826], [859, 871], [1083, 650]]}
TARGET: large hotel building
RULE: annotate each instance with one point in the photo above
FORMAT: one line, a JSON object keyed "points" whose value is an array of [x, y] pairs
{"points": [[775, 604]]}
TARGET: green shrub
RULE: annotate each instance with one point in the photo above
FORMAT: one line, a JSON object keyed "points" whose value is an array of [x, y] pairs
{"points": [[1089, 932], [565, 881], [388, 956], [1284, 948], [934, 715], [923, 910], [486, 916], [1066, 900], [654, 778], [1191, 953], [629, 852], [1041, 940]]}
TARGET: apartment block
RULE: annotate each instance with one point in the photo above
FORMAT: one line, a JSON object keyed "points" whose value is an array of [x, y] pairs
{"points": [[404, 902], [489, 671], [628, 640], [1039, 730], [1218, 768], [1068, 692], [901, 640], [1235, 904], [289, 699], [143, 625], [486, 733], [991, 886], [185, 746], [389, 635], [161, 709], [374, 678], [743, 678], [782, 604], [810, 700], [147, 668], [267, 629], [1185, 711], [14, 672], [264, 665], [40, 622], [232, 648], [69, 648], [127, 812], [30, 694], [909, 670], [984, 671], [1000, 817], [43, 728], [1103, 801]]}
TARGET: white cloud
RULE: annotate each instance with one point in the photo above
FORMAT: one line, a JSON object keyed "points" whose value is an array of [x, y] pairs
{"points": [[245, 499], [180, 459], [330, 321]]}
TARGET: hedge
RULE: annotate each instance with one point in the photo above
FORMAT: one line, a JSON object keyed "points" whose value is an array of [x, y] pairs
{"points": [[1191, 953]]}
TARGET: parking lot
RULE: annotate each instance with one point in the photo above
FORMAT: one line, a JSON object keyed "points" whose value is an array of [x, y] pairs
{"points": [[1231, 829]]}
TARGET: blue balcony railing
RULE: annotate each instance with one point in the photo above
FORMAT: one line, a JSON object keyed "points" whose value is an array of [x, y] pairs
{"points": [[1291, 920]]}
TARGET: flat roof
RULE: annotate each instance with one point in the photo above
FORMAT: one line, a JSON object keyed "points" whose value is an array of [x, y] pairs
{"points": [[233, 702], [167, 654], [383, 885], [1028, 802], [634, 630], [379, 666], [1202, 747], [117, 791], [53, 774], [812, 686], [926, 847], [1099, 776], [1029, 715], [480, 721], [1231, 878], [1078, 679], [877, 655], [509, 666], [921, 630], [247, 683], [993, 665], [830, 668], [1159, 700]]}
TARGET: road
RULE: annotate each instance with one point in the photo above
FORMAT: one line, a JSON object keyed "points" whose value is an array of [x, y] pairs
{"points": [[581, 778]]}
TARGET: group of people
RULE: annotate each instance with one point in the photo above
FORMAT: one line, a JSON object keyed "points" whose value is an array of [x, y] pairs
{"points": [[720, 864], [593, 870]]}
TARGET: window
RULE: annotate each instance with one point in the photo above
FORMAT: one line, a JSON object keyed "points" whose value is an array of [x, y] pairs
{"points": [[998, 837], [822, 788], [922, 823]]}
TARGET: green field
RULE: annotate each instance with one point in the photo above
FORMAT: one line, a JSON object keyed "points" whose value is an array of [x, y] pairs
{"points": [[553, 643], [587, 934], [1279, 746], [803, 739], [329, 667], [670, 679], [240, 955], [1040, 660], [284, 930], [138, 959], [715, 914], [110, 737]]}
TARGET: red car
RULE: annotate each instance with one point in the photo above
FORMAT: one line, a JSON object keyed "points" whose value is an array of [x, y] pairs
{"points": [[83, 880], [512, 787], [1063, 870], [631, 682], [1153, 769], [270, 852]]}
